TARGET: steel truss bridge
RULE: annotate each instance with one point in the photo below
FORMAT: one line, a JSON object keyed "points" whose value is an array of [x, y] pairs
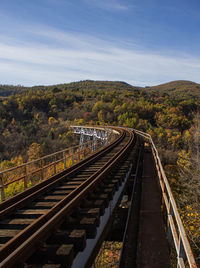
{"points": [[69, 198]]}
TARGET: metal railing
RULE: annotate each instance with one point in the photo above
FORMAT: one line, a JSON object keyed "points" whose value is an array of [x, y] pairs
{"points": [[176, 231], [19, 178]]}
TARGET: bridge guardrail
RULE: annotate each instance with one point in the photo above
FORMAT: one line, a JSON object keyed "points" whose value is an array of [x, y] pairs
{"points": [[37, 170], [176, 231], [30, 173]]}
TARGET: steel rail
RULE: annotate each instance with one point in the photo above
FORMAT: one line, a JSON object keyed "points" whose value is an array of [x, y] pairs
{"points": [[18, 201], [55, 158], [116, 131], [29, 195], [25, 242]]}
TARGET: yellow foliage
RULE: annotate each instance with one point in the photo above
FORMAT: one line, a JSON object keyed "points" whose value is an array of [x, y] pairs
{"points": [[187, 135], [183, 160], [16, 161], [79, 121], [36, 116], [6, 133], [34, 151], [5, 102], [191, 221], [51, 120], [109, 255]]}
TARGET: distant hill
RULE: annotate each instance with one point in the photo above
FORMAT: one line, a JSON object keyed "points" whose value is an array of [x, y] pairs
{"points": [[181, 87], [103, 85], [7, 90]]}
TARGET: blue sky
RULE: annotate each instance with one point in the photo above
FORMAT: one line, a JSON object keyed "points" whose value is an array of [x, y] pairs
{"points": [[144, 42]]}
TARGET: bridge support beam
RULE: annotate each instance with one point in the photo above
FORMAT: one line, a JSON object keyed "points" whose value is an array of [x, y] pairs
{"points": [[94, 133]]}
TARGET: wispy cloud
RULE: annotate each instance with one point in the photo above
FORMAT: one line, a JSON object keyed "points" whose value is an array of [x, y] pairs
{"points": [[65, 57], [111, 5]]}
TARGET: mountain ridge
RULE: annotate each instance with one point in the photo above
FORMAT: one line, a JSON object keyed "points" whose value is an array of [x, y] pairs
{"points": [[171, 87]]}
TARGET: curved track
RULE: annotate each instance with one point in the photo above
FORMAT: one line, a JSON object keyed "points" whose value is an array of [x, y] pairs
{"points": [[39, 217]]}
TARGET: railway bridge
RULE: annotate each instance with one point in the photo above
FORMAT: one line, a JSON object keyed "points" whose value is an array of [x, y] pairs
{"points": [[67, 202]]}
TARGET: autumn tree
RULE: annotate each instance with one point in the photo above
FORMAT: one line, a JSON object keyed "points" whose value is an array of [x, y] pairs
{"points": [[34, 151]]}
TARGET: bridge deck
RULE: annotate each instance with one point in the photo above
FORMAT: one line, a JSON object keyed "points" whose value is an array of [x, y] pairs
{"points": [[153, 250]]}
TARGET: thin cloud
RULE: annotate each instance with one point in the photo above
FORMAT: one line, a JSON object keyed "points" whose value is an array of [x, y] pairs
{"points": [[110, 5], [65, 57]]}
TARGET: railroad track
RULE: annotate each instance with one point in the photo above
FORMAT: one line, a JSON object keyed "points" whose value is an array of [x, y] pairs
{"points": [[48, 224]]}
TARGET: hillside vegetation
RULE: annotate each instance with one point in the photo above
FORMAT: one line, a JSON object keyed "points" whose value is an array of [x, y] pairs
{"points": [[7, 90], [183, 88], [39, 114], [39, 117]]}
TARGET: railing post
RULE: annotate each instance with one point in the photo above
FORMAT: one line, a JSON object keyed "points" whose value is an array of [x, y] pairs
{"points": [[64, 159], [84, 149], [54, 165], [42, 170], [79, 152], [2, 188], [169, 231], [25, 178], [72, 156], [91, 146], [181, 252]]}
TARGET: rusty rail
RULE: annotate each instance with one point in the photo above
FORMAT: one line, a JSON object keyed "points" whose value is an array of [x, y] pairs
{"points": [[58, 161], [176, 231], [16, 251]]}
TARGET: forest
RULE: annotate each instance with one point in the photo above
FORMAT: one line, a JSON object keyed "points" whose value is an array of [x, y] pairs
{"points": [[40, 116]]}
